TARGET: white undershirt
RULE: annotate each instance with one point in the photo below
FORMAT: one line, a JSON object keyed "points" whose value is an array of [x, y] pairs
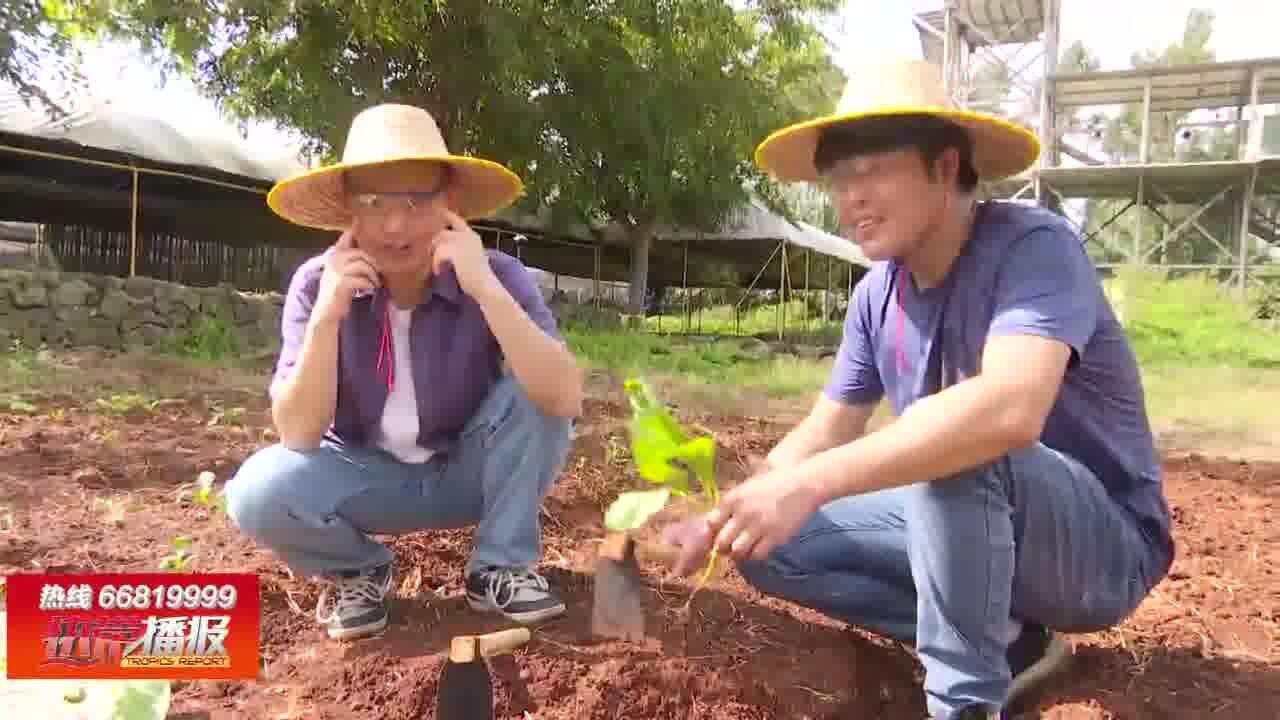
{"points": [[399, 429]]}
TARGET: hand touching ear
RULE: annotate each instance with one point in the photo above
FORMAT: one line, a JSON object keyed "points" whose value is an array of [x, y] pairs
{"points": [[460, 246], [347, 270]]}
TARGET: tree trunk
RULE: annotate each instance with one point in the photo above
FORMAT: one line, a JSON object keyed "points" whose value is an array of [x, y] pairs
{"points": [[641, 237]]}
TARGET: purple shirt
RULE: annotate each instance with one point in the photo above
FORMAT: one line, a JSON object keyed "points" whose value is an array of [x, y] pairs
{"points": [[1024, 271], [456, 359]]}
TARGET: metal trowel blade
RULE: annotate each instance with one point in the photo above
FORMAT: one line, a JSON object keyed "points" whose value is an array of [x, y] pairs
{"points": [[617, 611]]}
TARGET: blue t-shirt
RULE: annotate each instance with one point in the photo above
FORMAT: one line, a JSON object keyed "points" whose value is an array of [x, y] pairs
{"points": [[1023, 271]]}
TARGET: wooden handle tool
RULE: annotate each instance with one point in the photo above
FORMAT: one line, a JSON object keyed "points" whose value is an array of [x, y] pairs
{"points": [[466, 682]]}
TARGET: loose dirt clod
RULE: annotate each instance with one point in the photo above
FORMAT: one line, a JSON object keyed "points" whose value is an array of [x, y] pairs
{"points": [[1205, 643]]}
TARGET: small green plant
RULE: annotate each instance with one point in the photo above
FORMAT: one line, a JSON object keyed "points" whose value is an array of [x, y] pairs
{"points": [[17, 405], [219, 415], [125, 403], [212, 337], [182, 555], [180, 558], [205, 495], [669, 457]]}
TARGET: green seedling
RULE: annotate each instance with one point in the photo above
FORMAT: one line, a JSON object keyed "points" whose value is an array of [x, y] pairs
{"points": [[668, 457], [16, 405], [180, 558], [205, 494], [225, 416], [126, 403]]}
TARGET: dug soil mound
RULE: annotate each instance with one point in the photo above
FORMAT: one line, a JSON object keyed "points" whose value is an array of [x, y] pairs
{"points": [[81, 490]]}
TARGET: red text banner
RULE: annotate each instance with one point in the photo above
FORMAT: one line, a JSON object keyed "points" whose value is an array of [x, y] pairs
{"points": [[170, 626]]}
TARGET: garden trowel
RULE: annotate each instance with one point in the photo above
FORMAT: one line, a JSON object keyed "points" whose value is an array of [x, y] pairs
{"points": [[617, 611], [466, 683]]}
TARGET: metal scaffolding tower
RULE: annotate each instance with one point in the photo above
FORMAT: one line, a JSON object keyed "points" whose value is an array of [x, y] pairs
{"points": [[1239, 194], [1011, 42]]}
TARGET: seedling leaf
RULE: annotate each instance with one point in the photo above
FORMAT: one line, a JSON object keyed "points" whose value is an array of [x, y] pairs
{"points": [[665, 455], [633, 509]]}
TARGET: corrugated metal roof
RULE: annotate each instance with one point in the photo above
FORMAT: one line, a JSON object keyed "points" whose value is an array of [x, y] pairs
{"points": [[1180, 87], [990, 22]]}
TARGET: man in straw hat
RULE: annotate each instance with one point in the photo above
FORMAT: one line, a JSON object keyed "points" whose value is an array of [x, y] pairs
{"points": [[392, 397], [1018, 492]]}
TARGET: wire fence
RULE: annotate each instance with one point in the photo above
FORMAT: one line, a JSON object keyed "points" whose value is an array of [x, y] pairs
{"points": [[807, 304]]}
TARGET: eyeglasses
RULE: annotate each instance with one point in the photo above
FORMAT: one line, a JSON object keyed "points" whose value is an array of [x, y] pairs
{"points": [[374, 202]]}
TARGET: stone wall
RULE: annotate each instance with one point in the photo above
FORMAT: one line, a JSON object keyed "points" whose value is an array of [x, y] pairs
{"points": [[83, 310]]}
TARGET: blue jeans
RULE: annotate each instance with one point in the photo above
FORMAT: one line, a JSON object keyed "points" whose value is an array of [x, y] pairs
{"points": [[315, 509], [955, 566]]}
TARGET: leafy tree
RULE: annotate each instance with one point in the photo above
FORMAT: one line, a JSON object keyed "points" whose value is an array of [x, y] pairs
{"points": [[638, 113], [656, 109], [29, 44]]}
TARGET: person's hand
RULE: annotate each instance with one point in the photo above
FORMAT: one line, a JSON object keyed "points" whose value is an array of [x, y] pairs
{"points": [[691, 538], [761, 514], [347, 270], [460, 246]]}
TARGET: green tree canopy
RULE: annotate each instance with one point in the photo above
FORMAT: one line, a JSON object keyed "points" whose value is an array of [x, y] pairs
{"points": [[639, 113], [31, 46]]}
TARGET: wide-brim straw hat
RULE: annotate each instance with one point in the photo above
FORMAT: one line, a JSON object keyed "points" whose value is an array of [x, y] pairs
{"points": [[382, 135], [900, 87]]}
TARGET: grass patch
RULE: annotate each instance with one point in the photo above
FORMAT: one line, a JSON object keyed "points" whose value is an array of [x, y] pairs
{"points": [[761, 320], [1192, 321], [725, 362], [1237, 404]]}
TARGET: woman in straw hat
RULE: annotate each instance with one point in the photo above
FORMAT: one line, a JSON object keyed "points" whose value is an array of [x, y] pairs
{"points": [[1019, 491], [391, 395]]}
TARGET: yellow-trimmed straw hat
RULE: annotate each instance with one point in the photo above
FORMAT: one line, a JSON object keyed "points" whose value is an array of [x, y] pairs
{"points": [[386, 134], [900, 87]]}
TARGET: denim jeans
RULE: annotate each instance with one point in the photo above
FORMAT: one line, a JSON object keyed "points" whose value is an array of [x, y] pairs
{"points": [[315, 509], [955, 566]]}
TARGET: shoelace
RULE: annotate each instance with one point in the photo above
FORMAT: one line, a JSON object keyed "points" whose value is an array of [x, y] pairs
{"points": [[507, 583], [360, 592]]}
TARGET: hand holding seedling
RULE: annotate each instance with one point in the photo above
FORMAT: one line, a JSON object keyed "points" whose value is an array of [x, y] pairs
{"points": [[760, 514], [749, 522]]}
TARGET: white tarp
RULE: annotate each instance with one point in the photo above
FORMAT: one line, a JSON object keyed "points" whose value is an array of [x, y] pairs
{"points": [[828, 244], [754, 221], [100, 122]]}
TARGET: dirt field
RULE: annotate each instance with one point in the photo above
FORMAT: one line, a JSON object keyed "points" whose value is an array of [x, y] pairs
{"points": [[86, 489]]}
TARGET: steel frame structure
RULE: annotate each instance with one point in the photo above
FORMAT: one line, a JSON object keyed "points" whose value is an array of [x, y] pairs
{"points": [[951, 36]]}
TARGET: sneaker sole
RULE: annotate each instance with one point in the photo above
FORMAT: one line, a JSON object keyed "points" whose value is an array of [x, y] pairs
{"points": [[358, 632], [524, 618], [1057, 657]]}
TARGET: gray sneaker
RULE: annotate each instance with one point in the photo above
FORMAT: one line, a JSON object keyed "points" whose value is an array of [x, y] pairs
{"points": [[520, 594], [359, 609]]}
